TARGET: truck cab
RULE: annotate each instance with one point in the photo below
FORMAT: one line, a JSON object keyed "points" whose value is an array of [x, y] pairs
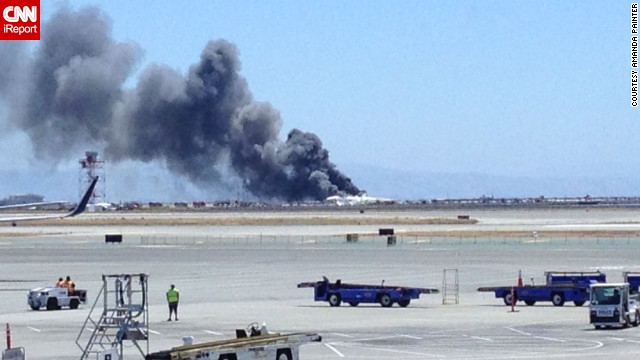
{"points": [[355, 294], [633, 278], [560, 287], [613, 304]]}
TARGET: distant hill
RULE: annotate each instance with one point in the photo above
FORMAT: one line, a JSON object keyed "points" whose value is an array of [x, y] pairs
{"points": [[416, 185], [146, 183]]}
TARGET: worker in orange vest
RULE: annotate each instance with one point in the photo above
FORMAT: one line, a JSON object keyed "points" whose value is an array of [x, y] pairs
{"points": [[70, 285]]}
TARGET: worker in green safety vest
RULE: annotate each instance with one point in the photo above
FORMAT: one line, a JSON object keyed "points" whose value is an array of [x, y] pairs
{"points": [[173, 297]]}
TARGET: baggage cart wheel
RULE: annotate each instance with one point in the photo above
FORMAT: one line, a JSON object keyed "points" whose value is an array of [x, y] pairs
{"points": [[507, 299], [353, 303], [530, 302], [579, 303], [404, 303], [385, 300], [74, 303], [334, 299], [557, 299]]}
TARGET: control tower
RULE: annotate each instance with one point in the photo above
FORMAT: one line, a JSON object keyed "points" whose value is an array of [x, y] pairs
{"points": [[90, 167]]}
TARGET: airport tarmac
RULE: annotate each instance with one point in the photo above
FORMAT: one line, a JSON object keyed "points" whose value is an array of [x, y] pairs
{"points": [[225, 286]]}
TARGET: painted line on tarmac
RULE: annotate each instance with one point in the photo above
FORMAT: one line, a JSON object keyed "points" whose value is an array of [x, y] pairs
{"points": [[33, 329], [550, 339], [334, 350], [596, 344], [411, 337], [154, 332], [480, 338], [213, 332], [378, 338], [518, 331], [405, 352], [343, 335]]}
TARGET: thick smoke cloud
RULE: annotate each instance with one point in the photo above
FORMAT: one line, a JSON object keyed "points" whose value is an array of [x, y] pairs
{"points": [[76, 79], [205, 125]]}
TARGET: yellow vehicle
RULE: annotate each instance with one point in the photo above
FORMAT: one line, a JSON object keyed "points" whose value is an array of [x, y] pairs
{"points": [[255, 342]]}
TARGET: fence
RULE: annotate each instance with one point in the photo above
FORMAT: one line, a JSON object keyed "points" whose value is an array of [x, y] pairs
{"points": [[370, 241], [374, 241]]}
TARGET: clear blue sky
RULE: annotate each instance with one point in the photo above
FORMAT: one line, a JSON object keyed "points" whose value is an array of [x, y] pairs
{"points": [[527, 88]]}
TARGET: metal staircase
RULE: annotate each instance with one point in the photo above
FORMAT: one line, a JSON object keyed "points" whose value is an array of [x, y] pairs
{"points": [[124, 317], [450, 287]]}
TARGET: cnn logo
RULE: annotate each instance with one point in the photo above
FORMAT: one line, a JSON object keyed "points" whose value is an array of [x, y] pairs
{"points": [[20, 20], [16, 13]]}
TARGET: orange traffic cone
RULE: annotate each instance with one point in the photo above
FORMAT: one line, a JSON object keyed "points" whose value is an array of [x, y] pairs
{"points": [[519, 277], [8, 336]]}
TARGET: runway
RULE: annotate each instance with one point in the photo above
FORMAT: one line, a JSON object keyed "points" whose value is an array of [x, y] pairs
{"points": [[227, 285]]}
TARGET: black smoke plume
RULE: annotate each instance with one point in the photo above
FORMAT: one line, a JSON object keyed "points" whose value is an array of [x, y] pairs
{"points": [[205, 125]]}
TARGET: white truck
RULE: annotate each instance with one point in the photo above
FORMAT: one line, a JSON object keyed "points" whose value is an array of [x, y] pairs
{"points": [[612, 304], [55, 298]]}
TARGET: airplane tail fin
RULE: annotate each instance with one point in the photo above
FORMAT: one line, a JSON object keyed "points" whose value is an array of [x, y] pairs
{"points": [[82, 205]]}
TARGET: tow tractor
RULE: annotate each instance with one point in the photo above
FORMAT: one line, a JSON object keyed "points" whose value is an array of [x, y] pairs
{"points": [[55, 298], [354, 294], [613, 304], [254, 342], [561, 286]]}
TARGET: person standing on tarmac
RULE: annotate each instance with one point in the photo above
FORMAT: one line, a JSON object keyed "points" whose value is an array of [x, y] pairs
{"points": [[173, 297]]}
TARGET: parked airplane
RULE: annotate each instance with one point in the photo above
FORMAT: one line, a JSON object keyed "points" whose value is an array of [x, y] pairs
{"points": [[82, 205], [360, 199], [103, 206]]}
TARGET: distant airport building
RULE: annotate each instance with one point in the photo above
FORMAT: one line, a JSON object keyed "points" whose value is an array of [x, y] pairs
{"points": [[21, 199]]}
